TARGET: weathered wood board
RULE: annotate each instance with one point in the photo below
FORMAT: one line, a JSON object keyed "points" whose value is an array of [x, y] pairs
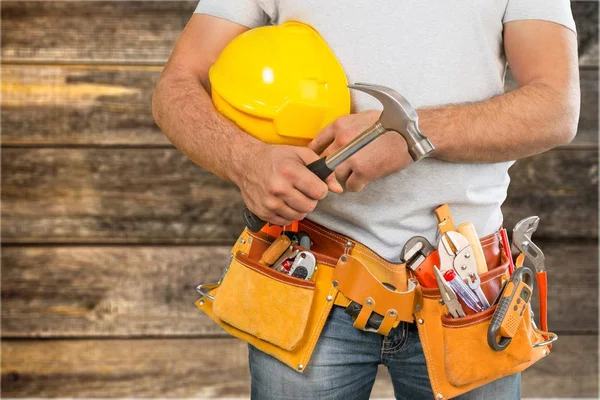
{"points": [[560, 187], [159, 196], [214, 368], [103, 32], [79, 105], [104, 291], [144, 31], [112, 105]]}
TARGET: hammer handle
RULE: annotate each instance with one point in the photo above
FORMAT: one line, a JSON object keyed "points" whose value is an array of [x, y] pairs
{"points": [[319, 168]]}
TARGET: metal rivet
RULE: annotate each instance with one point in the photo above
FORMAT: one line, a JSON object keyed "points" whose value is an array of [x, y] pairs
{"points": [[329, 298], [418, 307], [201, 302], [316, 268], [300, 366], [467, 255], [335, 283], [440, 396], [348, 244], [463, 267], [441, 302], [392, 313], [250, 240], [344, 258], [369, 302], [420, 321], [545, 352], [242, 241]]}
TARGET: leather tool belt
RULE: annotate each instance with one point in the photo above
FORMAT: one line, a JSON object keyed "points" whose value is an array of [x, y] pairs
{"points": [[283, 315]]}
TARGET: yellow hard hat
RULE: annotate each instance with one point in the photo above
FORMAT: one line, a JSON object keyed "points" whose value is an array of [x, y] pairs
{"points": [[281, 84]]}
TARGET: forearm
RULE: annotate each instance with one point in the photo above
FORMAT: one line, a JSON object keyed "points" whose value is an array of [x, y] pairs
{"points": [[184, 111], [521, 123]]}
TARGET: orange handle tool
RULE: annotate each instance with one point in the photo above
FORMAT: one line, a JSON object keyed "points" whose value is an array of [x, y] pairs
{"points": [[424, 271], [542, 281]]}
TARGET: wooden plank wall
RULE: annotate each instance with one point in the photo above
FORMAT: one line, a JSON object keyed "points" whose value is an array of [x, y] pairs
{"points": [[107, 228]]}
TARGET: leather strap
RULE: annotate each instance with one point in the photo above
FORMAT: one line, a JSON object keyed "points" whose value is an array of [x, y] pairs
{"points": [[331, 245], [357, 282], [444, 218]]}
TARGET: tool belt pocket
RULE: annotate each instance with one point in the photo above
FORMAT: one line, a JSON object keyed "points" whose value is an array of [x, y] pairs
{"points": [[467, 356], [264, 303], [279, 314], [457, 352], [376, 290]]}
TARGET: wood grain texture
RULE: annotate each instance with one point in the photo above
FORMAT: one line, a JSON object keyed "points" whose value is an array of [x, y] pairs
{"points": [[216, 368], [112, 105], [114, 195], [585, 14], [159, 196], [148, 291], [79, 105], [561, 187], [145, 31], [104, 32]]}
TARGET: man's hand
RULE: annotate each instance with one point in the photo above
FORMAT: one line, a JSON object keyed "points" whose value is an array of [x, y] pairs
{"points": [[277, 186], [384, 156]]}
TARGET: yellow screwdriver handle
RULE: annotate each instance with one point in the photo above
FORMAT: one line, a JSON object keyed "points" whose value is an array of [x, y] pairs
{"points": [[467, 229]]}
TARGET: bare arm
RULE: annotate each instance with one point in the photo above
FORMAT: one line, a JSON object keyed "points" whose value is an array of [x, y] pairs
{"points": [[183, 108], [274, 181], [542, 113]]}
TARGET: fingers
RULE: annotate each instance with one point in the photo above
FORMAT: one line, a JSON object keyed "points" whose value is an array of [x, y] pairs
{"points": [[309, 184], [343, 171], [276, 211], [323, 139], [333, 184], [354, 183], [297, 201]]}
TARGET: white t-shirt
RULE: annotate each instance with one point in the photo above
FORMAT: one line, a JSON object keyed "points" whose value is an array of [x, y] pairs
{"points": [[433, 52]]}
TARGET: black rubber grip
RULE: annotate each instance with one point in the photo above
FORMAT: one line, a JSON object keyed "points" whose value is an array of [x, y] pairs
{"points": [[253, 222], [320, 168]]}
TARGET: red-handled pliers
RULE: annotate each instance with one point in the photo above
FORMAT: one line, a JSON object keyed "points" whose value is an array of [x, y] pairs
{"points": [[533, 258]]}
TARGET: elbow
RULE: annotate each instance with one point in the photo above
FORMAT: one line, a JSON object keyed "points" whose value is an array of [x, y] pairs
{"points": [[569, 120], [157, 94]]}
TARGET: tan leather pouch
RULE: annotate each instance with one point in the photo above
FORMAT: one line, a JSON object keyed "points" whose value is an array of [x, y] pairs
{"points": [[265, 303], [458, 356], [361, 278], [280, 315]]}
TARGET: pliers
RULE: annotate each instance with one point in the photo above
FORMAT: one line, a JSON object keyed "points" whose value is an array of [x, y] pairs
{"points": [[448, 295], [534, 258], [456, 253]]}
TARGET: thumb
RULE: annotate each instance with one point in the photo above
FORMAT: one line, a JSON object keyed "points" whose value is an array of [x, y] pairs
{"points": [[333, 184]]}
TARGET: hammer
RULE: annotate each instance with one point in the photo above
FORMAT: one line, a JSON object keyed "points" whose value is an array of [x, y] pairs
{"points": [[397, 115]]}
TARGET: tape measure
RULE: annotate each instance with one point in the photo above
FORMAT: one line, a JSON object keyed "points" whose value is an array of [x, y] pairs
{"points": [[507, 317]]}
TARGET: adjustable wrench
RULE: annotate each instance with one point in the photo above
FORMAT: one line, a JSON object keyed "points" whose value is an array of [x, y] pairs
{"points": [[415, 252], [534, 258], [456, 253]]}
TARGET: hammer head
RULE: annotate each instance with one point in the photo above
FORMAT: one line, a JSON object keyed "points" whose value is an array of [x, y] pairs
{"points": [[398, 115]]}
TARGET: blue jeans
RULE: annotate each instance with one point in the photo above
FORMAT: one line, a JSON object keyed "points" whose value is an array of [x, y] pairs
{"points": [[344, 366]]}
